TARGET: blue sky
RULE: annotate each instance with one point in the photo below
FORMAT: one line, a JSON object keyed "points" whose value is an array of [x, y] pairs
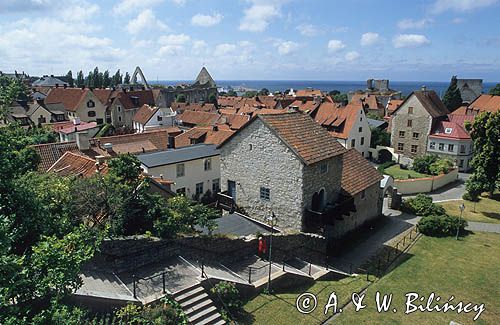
{"points": [[427, 40]]}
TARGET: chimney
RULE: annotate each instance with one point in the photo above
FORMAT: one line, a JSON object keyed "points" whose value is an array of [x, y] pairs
{"points": [[76, 121], [100, 159], [108, 147], [57, 85], [161, 176], [82, 141], [65, 86], [52, 75], [424, 88], [215, 128]]}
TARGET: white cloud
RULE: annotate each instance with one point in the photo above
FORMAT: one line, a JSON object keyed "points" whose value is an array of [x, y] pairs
{"points": [[370, 38], [352, 56], [199, 46], [414, 24], [286, 47], [258, 15], [224, 49], [179, 3], [206, 20], [145, 20], [410, 40], [307, 30], [174, 39], [460, 5], [335, 45], [129, 6]]}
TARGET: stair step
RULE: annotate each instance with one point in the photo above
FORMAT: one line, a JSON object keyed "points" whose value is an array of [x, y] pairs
{"points": [[187, 294], [194, 300], [220, 322], [200, 305], [203, 313], [216, 317]]}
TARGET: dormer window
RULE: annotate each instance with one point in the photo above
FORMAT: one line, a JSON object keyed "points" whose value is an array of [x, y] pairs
{"points": [[448, 130], [90, 104]]}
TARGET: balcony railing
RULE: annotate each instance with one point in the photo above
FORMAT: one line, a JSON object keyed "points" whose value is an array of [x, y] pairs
{"points": [[225, 201]]}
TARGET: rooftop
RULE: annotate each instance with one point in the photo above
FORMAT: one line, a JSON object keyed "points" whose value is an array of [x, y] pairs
{"points": [[174, 156], [357, 173]]}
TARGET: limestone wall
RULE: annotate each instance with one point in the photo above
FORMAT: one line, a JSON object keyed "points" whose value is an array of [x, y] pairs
{"points": [[425, 185]]}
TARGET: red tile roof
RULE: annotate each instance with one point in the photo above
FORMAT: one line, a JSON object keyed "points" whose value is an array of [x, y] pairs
{"points": [[309, 93], [144, 114], [309, 141], [484, 103], [77, 128], [142, 97], [234, 121], [225, 101], [130, 143], [339, 120], [393, 104], [306, 106], [69, 97], [357, 173], [197, 118], [450, 130], [369, 101], [72, 164], [203, 134], [50, 152]]}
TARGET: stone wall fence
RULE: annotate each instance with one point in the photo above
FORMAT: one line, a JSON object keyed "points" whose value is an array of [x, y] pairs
{"points": [[425, 184]]}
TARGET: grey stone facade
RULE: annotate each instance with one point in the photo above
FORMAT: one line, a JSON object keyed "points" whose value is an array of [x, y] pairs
{"points": [[256, 157], [470, 89], [421, 123]]}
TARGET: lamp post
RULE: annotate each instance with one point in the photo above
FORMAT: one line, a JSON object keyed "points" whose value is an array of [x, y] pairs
{"points": [[272, 222], [462, 208]]}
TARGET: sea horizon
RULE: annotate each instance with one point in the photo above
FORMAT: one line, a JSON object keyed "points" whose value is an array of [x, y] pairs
{"points": [[344, 86]]}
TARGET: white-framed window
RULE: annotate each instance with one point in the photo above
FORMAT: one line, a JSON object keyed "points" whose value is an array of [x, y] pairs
{"points": [[207, 163], [90, 104], [181, 191], [448, 130], [159, 118], [323, 167], [119, 108], [462, 148], [416, 135], [414, 148], [451, 147], [360, 129], [410, 110], [409, 123], [432, 145], [265, 194], [180, 170], [401, 146], [215, 185], [441, 146], [401, 134]]}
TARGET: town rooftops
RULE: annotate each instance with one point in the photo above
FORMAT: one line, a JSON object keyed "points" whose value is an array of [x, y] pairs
{"points": [[393, 104], [50, 152], [197, 118], [340, 119], [485, 103], [144, 114], [83, 126], [49, 81], [307, 139], [69, 97], [308, 92], [175, 156], [357, 173], [73, 164], [452, 129], [203, 134], [430, 101]]}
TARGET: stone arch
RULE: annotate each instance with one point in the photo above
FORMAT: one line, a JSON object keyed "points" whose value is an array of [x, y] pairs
{"points": [[318, 201], [384, 155], [134, 77]]}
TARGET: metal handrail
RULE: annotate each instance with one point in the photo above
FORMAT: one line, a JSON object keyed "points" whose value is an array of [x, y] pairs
{"points": [[136, 279]]}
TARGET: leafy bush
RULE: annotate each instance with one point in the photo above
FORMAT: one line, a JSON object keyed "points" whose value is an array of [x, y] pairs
{"points": [[442, 166], [167, 312], [229, 295], [422, 205], [440, 225], [381, 168], [421, 164]]}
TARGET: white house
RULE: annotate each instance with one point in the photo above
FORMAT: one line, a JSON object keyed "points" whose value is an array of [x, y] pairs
{"points": [[148, 117], [194, 169], [348, 124]]}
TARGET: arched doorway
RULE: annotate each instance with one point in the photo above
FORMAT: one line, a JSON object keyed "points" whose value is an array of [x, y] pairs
{"points": [[384, 155], [318, 201]]}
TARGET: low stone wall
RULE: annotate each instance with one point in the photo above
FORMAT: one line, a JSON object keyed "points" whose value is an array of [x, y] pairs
{"points": [[128, 254], [426, 184]]}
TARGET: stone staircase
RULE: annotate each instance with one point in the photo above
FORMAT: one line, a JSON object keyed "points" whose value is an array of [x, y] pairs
{"points": [[198, 306]]}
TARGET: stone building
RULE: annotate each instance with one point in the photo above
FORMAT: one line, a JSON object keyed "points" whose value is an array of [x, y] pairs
{"points": [[200, 91], [288, 165], [470, 89], [413, 121]]}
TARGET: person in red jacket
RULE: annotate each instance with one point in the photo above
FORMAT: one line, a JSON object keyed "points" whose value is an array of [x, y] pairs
{"points": [[262, 247]]}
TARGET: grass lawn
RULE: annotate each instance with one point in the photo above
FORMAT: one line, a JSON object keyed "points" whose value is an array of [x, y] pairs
{"points": [[397, 173], [467, 269], [279, 308], [487, 210]]}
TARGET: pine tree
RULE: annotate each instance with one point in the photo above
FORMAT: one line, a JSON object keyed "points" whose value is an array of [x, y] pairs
{"points": [[80, 79], [95, 77], [116, 80], [495, 90], [452, 97], [127, 79], [69, 76], [106, 82], [89, 81]]}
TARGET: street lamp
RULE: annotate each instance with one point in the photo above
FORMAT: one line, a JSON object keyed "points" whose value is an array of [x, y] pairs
{"points": [[462, 208], [273, 221]]}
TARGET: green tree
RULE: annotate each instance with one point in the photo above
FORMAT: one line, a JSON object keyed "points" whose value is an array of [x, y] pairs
{"points": [[212, 99], [264, 92], [422, 164], [96, 78], [117, 78], [232, 93], [452, 98], [495, 90], [80, 79], [126, 80], [89, 80], [340, 98], [106, 80], [10, 89], [250, 94], [69, 76], [181, 98], [334, 93], [485, 134], [380, 138]]}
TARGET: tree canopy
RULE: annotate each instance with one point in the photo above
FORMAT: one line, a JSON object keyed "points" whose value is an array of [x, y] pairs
{"points": [[452, 98], [495, 90]]}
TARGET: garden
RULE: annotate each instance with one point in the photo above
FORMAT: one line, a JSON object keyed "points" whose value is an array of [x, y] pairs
{"points": [[423, 166]]}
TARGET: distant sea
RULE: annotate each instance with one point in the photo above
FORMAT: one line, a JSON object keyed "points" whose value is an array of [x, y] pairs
{"points": [[405, 87]]}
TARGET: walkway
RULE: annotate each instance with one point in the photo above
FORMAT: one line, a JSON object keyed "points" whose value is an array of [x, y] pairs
{"points": [[453, 191]]}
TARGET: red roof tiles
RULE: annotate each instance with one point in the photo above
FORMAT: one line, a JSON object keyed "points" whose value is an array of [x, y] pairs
{"points": [[144, 114], [357, 173], [72, 164]]}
